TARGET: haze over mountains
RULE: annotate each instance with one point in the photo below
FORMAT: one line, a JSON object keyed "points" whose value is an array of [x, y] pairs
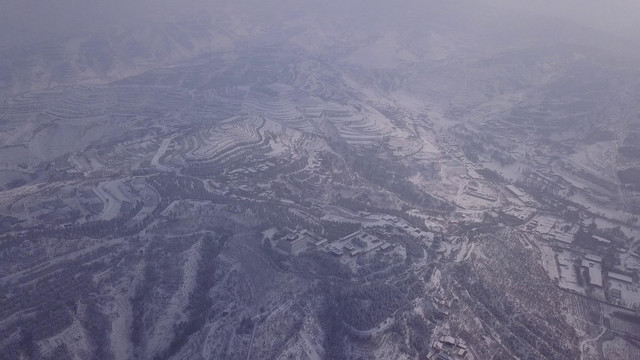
{"points": [[286, 179], [82, 41]]}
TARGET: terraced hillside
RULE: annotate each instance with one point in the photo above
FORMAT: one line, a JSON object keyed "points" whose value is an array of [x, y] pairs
{"points": [[270, 200]]}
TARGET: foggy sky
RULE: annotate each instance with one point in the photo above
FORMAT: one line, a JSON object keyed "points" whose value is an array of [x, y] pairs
{"points": [[24, 22]]}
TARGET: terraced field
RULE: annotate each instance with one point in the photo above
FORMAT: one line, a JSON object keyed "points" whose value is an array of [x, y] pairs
{"points": [[266, 201]]}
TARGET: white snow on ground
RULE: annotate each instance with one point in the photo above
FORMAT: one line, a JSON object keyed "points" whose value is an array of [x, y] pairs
{"points": [[630, 293], [163, 329], [121, 310], [8, 197], [473, 247], [465, 251], [307, 344], [65, 136], [462, 252], [73, 338], [434, 282], [567, 273], [389, 349], [155, 161], [598, 158], [312, 347], [55, 140], [618, 348], [457, 187], [80, 162], [626, 230], [112, 194], [12, 156], [268, 234], [630, 262], [340, 214], [120, 327], [548, 260]]}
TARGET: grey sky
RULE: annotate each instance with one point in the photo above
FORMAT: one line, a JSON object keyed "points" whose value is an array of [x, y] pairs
{"points": [[28, 21]]}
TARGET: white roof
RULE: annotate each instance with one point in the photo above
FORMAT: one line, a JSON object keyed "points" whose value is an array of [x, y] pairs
{"points": [[515, 190], [449, 339], [595, 272], [600, 238], [564, 237], [620, 277]]}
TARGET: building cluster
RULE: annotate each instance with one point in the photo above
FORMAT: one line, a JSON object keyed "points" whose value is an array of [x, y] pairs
{"points": [[356, 243], [298, 242], [448, 348], [623, 291], [593, 264], [521, 214], [353, 244], [620, 289], [480, 193], [551, 228], [520, 195], [575, 271]]}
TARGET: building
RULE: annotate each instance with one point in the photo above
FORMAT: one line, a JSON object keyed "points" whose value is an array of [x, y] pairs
{"points": [[448, 348], [448, 340], [595, 272], [519, 213], [292, 244], [322, 242], [515, 191], [601, 239], [480, 195], [564, 233], [544, 224], [624, 278], [616, 294]]}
